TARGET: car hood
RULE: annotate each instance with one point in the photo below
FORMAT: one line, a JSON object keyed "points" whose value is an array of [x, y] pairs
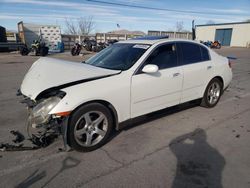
{"points": [[48, 73]]}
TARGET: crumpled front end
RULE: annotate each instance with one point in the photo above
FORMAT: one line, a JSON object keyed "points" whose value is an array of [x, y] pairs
{"points": [[43, 127]]}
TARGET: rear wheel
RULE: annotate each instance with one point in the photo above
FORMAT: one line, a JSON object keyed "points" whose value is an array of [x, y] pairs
{"points": [[44, 51], [212, 93], [90, 127]]}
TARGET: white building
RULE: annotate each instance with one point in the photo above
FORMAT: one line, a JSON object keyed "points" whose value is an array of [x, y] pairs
{"points": [[229, 34]]}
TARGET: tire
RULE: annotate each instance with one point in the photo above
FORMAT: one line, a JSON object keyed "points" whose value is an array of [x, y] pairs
{"points": [[44, 51], [88, 47], [212, 93], [24, 51], [90, 127], [78, 52], [73, 51]]}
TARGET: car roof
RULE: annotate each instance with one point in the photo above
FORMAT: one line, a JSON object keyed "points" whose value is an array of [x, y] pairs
{"points": [[156, 41]]}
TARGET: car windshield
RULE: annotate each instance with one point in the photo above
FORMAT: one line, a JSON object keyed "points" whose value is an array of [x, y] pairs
{"points": [[119, 56]]}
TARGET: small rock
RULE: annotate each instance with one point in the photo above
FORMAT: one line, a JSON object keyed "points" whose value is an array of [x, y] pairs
{"points": [[237, 136], [238, 97], [233, 131]]}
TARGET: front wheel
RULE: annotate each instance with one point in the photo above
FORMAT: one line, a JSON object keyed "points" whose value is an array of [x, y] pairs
{"points": [[212, 93], [24, 51], [90, 127]]}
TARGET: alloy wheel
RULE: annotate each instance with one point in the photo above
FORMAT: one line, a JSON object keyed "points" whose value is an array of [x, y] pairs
{"points": [[91, 128], [213, 93]]}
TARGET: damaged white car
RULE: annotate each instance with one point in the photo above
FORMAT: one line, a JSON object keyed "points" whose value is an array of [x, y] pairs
{"points": [[87, 100]]}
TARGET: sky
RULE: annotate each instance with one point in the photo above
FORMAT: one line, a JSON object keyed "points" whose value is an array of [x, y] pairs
{"points": [[133, 15]]}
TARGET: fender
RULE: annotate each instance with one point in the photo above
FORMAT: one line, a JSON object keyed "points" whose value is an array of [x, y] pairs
{"points": [[54, 90]]}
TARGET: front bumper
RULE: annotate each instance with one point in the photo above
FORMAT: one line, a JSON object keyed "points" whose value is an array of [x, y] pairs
{"points": [[53, 128]]}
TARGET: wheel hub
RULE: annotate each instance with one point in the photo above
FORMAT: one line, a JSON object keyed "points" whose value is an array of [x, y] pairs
{"points": [[213, 93], [91, 128]]}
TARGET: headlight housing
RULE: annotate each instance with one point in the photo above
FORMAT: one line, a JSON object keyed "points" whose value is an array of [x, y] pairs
{"points": [[40, 113]]}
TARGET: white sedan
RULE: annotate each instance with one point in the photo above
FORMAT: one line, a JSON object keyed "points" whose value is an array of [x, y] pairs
{"points": [[126, 80]]}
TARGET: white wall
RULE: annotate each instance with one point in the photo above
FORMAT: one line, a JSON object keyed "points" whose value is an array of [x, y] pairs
{"points": [[240, 33]]}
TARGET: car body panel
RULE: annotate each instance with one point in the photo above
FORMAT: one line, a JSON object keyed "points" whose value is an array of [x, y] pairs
{"points": [[49, 72], [150, 92], [195, 77], [109, 89], [129, 93]]}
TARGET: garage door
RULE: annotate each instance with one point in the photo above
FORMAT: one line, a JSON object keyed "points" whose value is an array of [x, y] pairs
{"points": [[224, 36]]}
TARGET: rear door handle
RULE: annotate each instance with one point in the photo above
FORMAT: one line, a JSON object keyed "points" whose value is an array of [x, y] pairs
{"points": [[209, 67], [176, 74]]}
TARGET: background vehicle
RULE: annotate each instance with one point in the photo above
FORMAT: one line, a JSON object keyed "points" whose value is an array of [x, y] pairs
{"points": [[76, 49], [89, 45], [210, 44], [93, 98], [216, 44], [37, 47]]}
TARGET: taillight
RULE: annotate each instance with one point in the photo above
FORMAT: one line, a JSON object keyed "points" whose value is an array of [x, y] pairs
{"points": [[229, 63]]}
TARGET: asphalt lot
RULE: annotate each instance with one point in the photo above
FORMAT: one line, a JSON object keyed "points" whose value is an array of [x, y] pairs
{"points": [[185, 146]]}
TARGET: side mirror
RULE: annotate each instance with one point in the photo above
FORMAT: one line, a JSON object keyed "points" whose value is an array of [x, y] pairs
{"points": [[150, 68]]}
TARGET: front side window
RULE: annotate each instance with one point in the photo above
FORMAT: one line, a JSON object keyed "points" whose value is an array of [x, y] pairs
{"points": [[119, 56], [191, 53], [163, 56]]}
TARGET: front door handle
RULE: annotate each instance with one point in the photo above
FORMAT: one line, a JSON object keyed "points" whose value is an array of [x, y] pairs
{"points": [[209, 67], [176, 74]]}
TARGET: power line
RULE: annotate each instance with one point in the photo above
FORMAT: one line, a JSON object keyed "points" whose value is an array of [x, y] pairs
{"points": [[154, 8]]}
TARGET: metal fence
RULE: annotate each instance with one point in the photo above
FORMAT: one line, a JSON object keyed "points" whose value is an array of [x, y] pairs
{"points": [[103, 37], [171, 34]]}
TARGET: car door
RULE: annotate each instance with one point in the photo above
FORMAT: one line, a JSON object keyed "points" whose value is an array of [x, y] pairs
{"points": [[197, 69], [154, 91]]}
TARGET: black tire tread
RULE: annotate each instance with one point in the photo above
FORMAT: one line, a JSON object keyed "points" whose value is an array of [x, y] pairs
{"points": [[204, 102], [77, 114]]}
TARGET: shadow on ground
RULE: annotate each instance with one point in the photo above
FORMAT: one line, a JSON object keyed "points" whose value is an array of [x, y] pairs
{"points": [[199, 165], [153, 116], [67, 163]]}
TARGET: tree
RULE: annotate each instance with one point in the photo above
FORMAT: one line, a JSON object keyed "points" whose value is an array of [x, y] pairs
{"points": [[71, 27], [86, 25], [179, 26], [83, 26]]}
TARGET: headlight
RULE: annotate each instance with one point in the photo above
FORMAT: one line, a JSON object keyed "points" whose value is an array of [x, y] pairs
{"points": [[40, 113]]}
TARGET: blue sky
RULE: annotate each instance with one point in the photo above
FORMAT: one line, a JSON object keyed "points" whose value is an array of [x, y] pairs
{"points": [[106, 16]]}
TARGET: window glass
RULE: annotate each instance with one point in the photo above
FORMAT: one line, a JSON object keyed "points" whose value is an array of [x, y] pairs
{"points": [[191, 53], [164, 56], [204, 53], [119, 56]]}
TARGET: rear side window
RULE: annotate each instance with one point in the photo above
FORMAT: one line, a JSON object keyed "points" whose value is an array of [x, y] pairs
{"points": [[191, 53], [163, 56], [204, 54]]}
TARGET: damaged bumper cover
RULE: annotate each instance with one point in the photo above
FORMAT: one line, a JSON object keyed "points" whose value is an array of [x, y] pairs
{"points": [[52, 125]]}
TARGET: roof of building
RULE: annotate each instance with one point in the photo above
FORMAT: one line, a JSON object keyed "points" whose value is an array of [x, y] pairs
{"points": [[37, 24], [156, 41], [232, 23]]}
